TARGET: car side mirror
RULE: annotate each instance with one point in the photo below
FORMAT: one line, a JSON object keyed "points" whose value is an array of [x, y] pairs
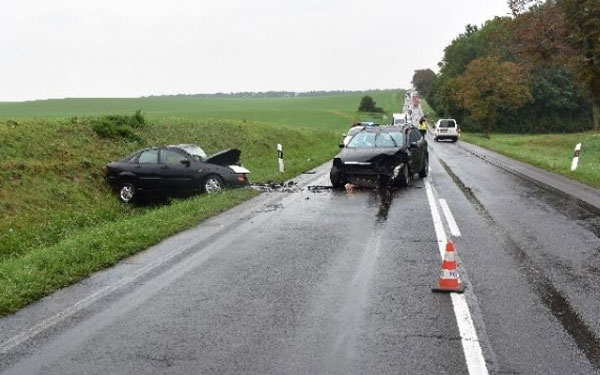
{"points": [[185, 162], [341, 145]]}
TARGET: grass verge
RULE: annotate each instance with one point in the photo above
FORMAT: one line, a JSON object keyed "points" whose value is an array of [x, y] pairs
{"points": [[552, 152], [61, 222]]}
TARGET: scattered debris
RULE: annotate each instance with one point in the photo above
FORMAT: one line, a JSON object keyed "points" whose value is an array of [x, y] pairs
{"points": [[270, 186], [318, 188]]}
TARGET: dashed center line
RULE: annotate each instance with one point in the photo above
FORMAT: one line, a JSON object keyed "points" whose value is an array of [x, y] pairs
{"points": [[470, 342], [449, 218]]}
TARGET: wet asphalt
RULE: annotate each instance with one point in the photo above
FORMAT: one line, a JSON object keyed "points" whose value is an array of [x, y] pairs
{"points": [[310, 280]]}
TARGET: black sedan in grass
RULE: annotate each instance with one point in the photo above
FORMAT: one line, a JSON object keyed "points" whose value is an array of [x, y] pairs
{"points": [[175, 170], [381, 155]]}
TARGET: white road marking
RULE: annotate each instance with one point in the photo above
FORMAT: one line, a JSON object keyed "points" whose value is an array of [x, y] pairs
{"points": [[449, 218], [470, 342]]}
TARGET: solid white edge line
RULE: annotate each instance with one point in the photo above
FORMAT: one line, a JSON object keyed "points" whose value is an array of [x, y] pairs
{"points": [[470, 342], [449, 218]]}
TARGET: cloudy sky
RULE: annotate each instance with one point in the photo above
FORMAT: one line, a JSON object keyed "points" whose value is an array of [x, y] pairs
{"points": [[128, 48]]}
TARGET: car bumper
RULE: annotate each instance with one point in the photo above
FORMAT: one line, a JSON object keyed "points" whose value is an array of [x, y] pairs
{"points": [[236, 180]]}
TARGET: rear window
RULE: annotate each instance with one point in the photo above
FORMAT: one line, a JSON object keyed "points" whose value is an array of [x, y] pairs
{"points": [[447, 124]]}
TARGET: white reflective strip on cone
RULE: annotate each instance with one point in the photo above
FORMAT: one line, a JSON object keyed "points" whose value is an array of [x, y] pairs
{"points": [[449, 274], [449, 256]]}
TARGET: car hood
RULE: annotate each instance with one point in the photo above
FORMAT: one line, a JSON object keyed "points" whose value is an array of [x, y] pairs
{"points": [[226, 157], [370, 154]]}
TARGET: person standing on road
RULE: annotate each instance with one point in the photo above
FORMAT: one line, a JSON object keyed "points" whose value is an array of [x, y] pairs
{"points": [[423, 126]]}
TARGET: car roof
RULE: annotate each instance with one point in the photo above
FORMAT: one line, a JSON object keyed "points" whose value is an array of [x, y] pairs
{"points": [[387, 128]]}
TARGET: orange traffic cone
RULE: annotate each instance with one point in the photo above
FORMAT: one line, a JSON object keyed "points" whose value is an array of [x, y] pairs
{"points": [[449, 280]]}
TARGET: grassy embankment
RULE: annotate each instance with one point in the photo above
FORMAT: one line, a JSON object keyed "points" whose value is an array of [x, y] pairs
{"points": [[60, 220]]}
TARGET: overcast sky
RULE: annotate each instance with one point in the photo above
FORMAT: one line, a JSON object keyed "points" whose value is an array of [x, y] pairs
{"points": [[129, 48]]}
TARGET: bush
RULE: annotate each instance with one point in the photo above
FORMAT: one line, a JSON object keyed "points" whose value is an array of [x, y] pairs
{"points": [[367, 104], [119, 126]]}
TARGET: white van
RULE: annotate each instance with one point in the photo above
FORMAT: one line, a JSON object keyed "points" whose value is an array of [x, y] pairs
{"points": [[446, 128], [400, 118]]}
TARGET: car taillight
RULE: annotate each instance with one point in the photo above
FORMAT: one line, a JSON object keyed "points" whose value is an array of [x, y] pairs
{"points": [[241, 178]]}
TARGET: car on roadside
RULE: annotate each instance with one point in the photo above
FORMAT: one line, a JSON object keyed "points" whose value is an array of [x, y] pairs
{"points": [[175, 170], [446, 128], [381, 155]]}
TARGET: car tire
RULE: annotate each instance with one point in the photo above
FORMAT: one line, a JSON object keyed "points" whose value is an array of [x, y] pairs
{"points": [[435, 139], [425, 170], [405, 177], [454, 140], [127, 193], [212, 184], [337, 178]]}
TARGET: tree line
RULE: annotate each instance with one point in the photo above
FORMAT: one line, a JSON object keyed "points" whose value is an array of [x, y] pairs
{"points": [[537, 71]]}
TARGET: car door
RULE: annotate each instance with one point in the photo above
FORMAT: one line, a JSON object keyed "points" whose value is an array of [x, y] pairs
{"points": [[147, 170], [176, 171], [415, 141]]}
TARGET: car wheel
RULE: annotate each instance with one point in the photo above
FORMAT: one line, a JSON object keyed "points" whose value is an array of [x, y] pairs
{"points": [[425, 170], [454, 140], [435, 139], [405, 177], [212, 184], [337, 178], [127, 192]]}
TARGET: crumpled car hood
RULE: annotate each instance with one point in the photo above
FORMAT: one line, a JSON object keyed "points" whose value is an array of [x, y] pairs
{"points": [[226, 157]]}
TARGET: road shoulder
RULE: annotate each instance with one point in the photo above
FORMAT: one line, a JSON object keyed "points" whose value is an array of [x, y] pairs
{"points": [[588, 196]]}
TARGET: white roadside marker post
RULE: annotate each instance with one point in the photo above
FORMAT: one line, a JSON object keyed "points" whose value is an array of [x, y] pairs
{"points": [[280, 157], [576, 157]]}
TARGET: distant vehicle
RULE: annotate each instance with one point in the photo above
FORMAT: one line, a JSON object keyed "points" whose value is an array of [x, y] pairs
{"points": [[351, 133], [175, 169], [398, 119], [446, 129], [381, 155]]}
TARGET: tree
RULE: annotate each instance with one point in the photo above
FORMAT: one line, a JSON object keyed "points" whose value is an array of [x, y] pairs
{"points": [[367, 104], [489, 86], [423, 81], [581, 17], [518, 7]]}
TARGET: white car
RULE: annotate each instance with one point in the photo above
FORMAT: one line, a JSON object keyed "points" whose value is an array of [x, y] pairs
{"points": [[446, 128], [351, 133]]}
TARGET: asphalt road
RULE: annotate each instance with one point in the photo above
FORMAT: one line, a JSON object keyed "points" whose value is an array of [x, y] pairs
{"points": [[308, 280]]}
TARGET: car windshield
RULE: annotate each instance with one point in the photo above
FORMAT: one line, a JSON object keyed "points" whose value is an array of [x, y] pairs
{"points": [[195, 151], [367, 139]]}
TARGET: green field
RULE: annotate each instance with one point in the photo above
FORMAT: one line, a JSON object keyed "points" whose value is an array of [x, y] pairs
{"points": [[61, 222], [331, 112], [552, 152]]}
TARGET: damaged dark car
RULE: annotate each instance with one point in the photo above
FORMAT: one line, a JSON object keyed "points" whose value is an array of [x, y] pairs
{"points": [[175, 170], [386, 155]]}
